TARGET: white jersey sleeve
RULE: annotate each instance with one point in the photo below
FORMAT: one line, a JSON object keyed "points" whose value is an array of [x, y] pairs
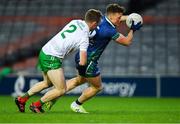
{"points": [[84, 43], [72, 37]]}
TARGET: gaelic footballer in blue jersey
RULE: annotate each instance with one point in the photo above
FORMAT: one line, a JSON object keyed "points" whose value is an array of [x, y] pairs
{"points": [[104, 33], [100, 38]]}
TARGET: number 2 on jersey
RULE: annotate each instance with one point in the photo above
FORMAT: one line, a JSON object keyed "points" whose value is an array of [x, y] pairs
{"points": [[71, 29]]}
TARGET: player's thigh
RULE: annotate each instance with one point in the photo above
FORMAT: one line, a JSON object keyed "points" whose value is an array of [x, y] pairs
{"points": [[56, 76], [95, 81], [46, 79]]}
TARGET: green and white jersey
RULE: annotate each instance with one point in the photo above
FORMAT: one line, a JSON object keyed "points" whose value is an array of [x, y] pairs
{"points": [[72, 37]]}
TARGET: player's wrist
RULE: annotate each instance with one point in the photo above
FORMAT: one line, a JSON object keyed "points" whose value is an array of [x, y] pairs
{"points": [[81, 69]]}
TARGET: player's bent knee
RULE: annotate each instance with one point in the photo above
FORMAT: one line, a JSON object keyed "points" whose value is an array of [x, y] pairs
{"points": [[60, 92], [79, 81], [101, 88], [63, 91], [46, 84], [98, 89]]}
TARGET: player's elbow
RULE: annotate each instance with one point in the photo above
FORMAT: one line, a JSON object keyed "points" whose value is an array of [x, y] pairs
{"points": [[126, 42]]}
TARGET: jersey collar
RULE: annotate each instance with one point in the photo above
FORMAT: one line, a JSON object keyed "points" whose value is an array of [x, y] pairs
{"points": [[109, 22]]}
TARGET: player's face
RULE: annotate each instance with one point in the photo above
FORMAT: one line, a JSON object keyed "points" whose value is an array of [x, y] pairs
{"points": [[93, 25], [115, 18]]}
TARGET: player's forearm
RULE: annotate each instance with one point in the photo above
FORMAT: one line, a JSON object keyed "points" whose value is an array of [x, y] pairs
{"points": [[83, 58], [126, 41], [123, 18], [129, 37]]}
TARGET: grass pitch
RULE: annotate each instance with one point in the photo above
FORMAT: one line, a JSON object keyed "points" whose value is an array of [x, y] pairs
{"points": [[102, 110]]}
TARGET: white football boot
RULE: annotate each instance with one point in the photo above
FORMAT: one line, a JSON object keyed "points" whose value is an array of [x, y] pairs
{"points": [[78, 108]]}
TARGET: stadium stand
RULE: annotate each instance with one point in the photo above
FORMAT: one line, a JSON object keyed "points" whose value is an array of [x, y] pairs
{"points": [[26, 25]]}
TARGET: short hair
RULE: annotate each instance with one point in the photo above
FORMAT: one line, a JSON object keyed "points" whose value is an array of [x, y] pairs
{"points": [[93, 15], [114, 8]]}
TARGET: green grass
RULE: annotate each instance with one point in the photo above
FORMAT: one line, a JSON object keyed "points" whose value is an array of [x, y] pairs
{"points": [[102, 110]]}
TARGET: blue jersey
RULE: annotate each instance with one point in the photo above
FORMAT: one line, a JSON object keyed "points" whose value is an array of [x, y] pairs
{"points": [[103, 34]]}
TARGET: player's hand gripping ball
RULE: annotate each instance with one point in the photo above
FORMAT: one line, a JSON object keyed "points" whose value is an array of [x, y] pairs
{"points": [[134, 21]]}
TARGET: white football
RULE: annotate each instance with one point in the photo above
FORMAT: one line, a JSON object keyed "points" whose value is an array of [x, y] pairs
{"points": [[133, 17]]}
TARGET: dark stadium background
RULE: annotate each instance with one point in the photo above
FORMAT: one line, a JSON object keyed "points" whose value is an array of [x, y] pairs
{"points": [[25, 25], [141, 82]]}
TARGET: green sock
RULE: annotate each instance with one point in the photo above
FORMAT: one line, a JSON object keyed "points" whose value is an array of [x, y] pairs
{"points": [[41, 102]]}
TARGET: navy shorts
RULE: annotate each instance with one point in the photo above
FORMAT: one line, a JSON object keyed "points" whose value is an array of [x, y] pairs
{"points": [[92, 68]]}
